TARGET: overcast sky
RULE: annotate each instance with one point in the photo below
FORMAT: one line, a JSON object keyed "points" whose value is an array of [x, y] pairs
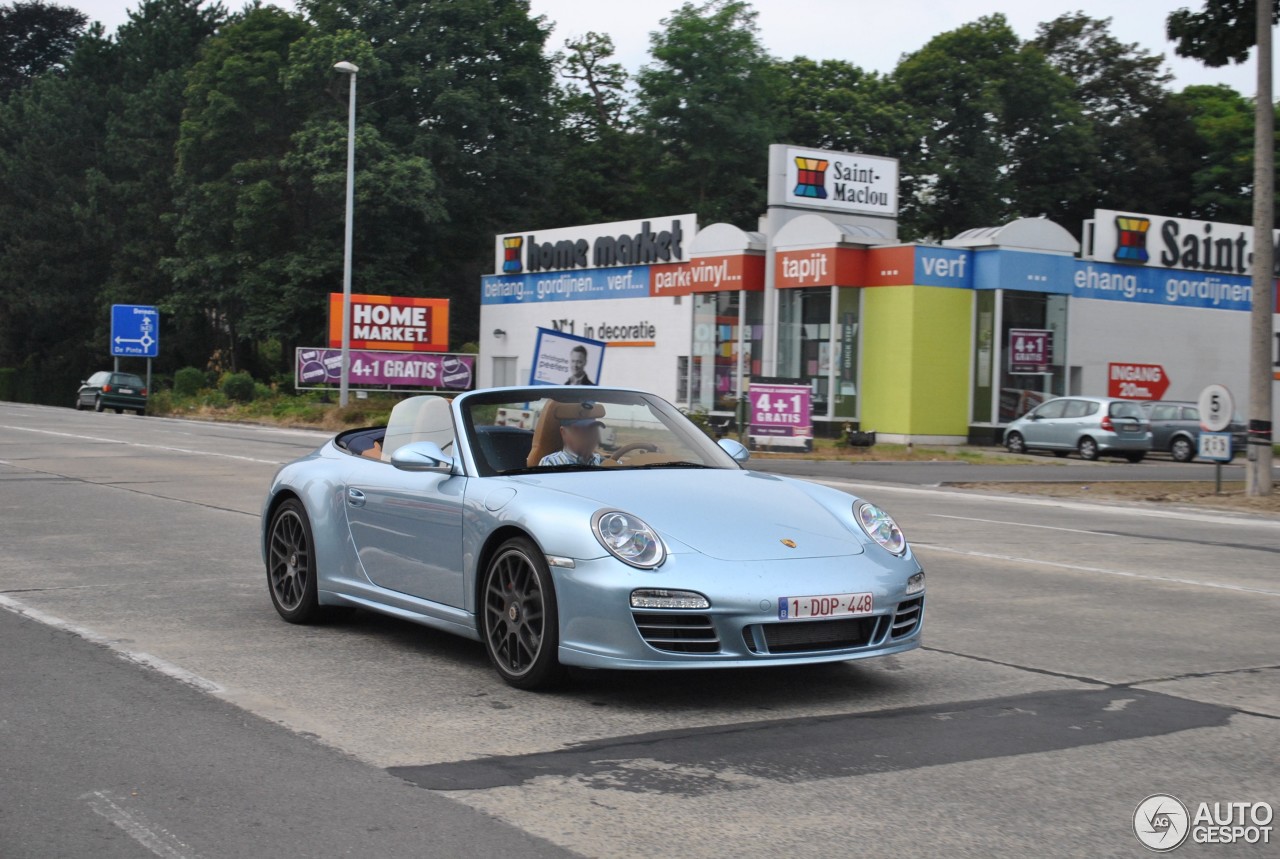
{"points": [[872, 35]]}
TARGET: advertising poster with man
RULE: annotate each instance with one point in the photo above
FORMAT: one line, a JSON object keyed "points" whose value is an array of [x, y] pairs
{"points": [[566, 359]]}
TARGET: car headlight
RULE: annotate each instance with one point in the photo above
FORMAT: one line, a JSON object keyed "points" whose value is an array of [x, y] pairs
{"points": [[915, 584], [655, 598], [880, 527], [629, 539]]}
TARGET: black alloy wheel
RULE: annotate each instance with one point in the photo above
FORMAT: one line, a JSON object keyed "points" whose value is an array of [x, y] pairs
{"points": [[291, 564], [519, 621]]}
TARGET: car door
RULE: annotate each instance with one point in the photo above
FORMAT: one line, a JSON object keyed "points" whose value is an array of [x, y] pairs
{"points": [[407, 528], [91, 388], [1041, 428], [1164, 420], [1068, 429]]}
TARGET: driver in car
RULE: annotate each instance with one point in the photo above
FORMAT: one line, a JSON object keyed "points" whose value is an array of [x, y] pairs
{"points": [[581, 438]]}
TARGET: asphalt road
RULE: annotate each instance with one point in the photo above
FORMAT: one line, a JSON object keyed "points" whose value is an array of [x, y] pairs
{"points": [[1078, 658]]}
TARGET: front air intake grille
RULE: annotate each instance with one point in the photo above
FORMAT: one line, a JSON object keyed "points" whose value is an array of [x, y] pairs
{"points": [[907, 617], [678, 633], [817, 635]]}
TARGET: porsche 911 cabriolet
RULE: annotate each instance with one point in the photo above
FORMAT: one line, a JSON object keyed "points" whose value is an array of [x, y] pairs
{"points": [[591, 527]]}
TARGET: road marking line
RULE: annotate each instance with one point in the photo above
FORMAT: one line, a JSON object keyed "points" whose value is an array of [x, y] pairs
{"points": [[1098, 570], [155, 663], [148, 446], [969, 496], [1025, 525], [158, 840]]}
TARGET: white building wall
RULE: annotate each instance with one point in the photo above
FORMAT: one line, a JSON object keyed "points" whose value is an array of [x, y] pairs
{"points": [[652, 368], [1196, 346]]}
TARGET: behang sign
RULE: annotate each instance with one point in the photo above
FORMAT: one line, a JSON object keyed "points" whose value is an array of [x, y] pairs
{"points": [[1159, 242], [841, 181], [648, 241]]}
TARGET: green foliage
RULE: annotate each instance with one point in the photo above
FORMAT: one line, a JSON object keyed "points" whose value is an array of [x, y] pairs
{"points": [[188, 381], [238, 387], [35, 38], [1222, 32], [706, 109], [1003, 138], [8, 384]]}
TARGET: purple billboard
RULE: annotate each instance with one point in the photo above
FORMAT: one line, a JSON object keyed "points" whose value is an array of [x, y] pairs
{"points": [[780, 410], [315, 367]]}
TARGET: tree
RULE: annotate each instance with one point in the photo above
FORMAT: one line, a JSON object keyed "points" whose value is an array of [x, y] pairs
{"points": [[466, 84], [705, 107], [833, 104], [1002, 137], [1146, 145], [35, 37], [595, 102], [1224, 31], [1222, 181]]}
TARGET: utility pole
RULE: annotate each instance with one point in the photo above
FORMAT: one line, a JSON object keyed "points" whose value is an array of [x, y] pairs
{"points": [[1258, 466]]}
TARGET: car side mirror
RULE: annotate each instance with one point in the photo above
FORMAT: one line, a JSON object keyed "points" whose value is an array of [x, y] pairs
{"points": [[422, 456], [1033, 417], [736, 449]]}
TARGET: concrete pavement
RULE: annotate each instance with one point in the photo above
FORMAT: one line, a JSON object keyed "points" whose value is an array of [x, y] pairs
{"points": [[1078, 658]]}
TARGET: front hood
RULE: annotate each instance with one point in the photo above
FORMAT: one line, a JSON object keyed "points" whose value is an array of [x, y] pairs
{"points": [[730, 515]]}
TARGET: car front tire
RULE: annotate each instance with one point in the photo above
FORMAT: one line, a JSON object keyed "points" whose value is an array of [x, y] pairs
{"points": [[1088, 449], [518, 618], [79, 404], [1181, 450], [1015, 443]]}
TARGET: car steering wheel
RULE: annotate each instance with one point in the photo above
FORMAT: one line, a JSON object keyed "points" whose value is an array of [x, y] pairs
{"points": [[617, 455]]}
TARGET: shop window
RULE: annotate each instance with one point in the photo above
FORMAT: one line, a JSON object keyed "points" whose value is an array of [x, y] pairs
{"points": [[805, 341], [1025, 385], [712, 369]]}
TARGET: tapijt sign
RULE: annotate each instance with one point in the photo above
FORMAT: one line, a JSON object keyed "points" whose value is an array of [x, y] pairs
{"points": [[391, 323]]}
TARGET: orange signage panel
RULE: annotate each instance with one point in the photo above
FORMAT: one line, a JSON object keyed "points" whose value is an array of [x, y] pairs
{"points": [[394, 323], [820, 267], [708, 274]]}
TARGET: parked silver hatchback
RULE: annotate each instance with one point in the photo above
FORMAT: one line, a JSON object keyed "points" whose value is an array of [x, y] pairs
{"points": [[1090, 426]]}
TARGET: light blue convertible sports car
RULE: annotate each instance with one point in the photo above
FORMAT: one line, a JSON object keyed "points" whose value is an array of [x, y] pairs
{"points": [[582, 526]]}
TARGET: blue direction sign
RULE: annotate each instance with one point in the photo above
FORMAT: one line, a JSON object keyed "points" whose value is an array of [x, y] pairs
{"points": [[135, 331]]}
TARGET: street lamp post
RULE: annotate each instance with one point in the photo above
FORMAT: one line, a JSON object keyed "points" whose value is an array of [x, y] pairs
{"points": [[345, 384]]}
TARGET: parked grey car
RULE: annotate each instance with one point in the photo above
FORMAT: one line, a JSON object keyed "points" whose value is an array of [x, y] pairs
{"points": [[1175, 427], [1090, 426]]}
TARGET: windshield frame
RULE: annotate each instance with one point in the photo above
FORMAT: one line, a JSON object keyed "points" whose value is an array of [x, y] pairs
{"points": [[685, 430]]}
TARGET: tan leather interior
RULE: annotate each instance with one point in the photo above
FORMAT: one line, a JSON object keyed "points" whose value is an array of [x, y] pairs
{"points": [[546, 433]]}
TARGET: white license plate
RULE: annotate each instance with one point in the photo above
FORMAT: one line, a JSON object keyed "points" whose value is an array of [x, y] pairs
{"points": [[126, 390], [828, 606]]}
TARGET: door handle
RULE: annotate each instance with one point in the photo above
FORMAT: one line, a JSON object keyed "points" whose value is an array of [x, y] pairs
{"points": [[355, 497]]}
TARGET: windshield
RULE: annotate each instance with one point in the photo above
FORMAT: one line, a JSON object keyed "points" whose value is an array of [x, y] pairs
{"points": [[127, 379], [540, 430]]}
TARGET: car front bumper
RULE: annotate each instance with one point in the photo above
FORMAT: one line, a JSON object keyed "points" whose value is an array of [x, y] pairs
{"points": [[599, 629]]}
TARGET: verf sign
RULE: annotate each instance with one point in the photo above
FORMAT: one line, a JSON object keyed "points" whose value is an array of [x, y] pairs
{"points": [[1137, 381], [385, 322]]}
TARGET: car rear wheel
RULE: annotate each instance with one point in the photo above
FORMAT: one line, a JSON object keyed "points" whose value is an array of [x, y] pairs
{"points": [[291, 564], [519, 621], [97, 404], [1015, 443], [1088, 449], [1181, 450], [1136, 456]]}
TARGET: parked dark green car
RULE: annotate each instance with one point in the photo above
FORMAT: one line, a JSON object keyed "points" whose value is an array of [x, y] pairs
{"points": [[107, 390]]}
